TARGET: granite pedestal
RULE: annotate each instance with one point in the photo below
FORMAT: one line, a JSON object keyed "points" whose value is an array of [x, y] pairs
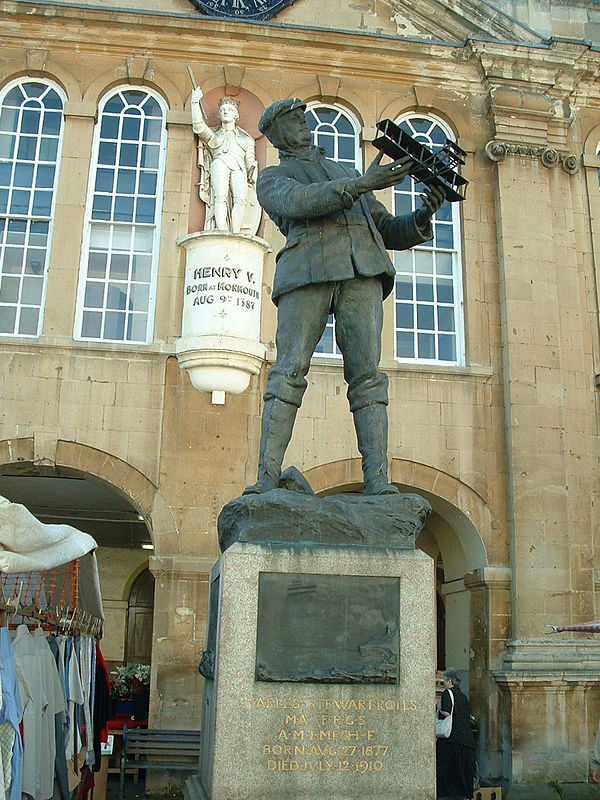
{"points": [[321, 661]]}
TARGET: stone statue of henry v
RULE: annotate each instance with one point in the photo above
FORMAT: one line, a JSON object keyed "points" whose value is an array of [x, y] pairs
{"points": [[227, 162], [334, 260]]}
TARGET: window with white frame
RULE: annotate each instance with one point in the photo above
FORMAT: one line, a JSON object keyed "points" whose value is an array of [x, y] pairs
{"points": [[337, 133], [31, 123], [117, 282], [428, 293]]}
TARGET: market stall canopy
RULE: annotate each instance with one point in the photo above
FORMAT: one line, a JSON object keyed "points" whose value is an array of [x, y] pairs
{"points": [[30, 546]]}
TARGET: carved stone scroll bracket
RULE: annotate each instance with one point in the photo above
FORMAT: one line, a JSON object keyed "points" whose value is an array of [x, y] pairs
{"points": [[497, 151]]}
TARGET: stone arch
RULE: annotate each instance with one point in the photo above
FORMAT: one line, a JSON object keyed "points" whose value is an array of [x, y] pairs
{"points": [[454, 535], [132, 578], [340, 101], [73, 458], [17, 451], [51, 72], [119, 77], [460, 504], [463, 507], [592, 140], [449, 110], [124, 478], [140, 616]]}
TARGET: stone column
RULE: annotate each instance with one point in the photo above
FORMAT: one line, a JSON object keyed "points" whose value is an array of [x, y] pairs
{"points": [[180, 599], [489, 589], [550, 421]]}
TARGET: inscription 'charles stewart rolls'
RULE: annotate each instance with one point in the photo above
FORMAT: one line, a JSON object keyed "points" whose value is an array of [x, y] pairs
{"points": [[326, 734], [326, 704]]}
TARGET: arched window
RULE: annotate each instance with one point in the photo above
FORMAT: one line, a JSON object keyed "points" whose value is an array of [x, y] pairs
{"points": [[428, 295], [117, 282], [31, 123], [337, 133]]}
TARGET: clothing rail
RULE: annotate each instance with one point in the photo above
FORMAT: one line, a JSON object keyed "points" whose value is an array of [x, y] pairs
{"points": [[50, 597]]}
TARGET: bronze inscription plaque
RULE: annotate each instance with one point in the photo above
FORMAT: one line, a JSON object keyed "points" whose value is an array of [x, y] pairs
{"points": [[328, 628]]}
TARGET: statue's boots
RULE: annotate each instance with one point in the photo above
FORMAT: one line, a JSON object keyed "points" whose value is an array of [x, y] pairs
{"points": [[371, 427], [277, 425]]}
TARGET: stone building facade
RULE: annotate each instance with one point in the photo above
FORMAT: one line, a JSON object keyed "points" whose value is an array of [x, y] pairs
{"points": [[491, 341]]}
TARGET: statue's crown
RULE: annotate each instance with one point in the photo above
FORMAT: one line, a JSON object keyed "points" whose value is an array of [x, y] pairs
{"points": [[230, 101]]}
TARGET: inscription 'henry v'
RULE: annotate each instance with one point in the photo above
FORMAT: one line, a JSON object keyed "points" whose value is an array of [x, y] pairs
{"points": [[328, 628]]}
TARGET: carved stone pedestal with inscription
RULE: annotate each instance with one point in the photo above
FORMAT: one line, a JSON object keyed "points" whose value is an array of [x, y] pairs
{"points": [[220, 334], [321, 675]]}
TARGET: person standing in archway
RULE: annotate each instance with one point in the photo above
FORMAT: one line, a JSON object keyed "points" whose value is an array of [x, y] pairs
{"points": [[455, 756]]}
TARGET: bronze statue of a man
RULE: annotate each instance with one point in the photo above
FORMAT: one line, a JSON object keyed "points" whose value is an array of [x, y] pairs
{"points": [[334, 260]]}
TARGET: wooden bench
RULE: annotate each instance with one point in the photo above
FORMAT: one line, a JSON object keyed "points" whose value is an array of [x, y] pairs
{"points": [[144, 748]]}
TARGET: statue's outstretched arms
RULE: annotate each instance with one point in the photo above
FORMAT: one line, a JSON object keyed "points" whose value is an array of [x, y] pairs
{"points": [[398, 233], [199, 125], [283, 196], [197, 115], [433, 197]]}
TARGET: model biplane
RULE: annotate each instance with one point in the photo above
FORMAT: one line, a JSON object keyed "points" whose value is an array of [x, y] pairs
{"points": [[439, 168]]}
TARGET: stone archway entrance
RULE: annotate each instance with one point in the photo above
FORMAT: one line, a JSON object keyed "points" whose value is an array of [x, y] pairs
{"points": [[472, 597], [457, 549], [58, 495], [140, 614]]}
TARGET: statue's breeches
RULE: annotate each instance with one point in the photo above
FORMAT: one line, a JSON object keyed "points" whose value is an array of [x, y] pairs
{"points": [[301, 319], [225, 179]]}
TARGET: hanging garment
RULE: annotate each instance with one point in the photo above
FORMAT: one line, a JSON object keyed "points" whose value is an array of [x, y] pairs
{"points": [[10, 716], [87, 783], [102, 706], [7, 744], [85, 665], [55, 704], [31, 684], [61, 727], [75, 700]]}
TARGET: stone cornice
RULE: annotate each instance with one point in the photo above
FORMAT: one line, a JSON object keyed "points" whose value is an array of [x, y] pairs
{"points": [[167, 35], [540, 660], [565, 70]]}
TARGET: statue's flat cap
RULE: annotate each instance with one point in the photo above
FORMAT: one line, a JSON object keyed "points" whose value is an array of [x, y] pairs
{"points": [[276, 109]]}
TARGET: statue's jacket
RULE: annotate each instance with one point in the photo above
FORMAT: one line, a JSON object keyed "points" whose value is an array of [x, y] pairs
{"points": [[331, 234]]}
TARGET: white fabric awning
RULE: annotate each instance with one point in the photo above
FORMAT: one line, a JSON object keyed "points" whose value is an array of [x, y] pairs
{"points": [[28, 545]]}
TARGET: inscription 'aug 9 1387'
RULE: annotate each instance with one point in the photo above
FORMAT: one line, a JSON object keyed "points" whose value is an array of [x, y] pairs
{"points": [[241, 9], [328, 628]]}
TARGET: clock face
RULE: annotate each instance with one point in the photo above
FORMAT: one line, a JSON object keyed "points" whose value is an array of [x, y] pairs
{"points": [[241, 9]]}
